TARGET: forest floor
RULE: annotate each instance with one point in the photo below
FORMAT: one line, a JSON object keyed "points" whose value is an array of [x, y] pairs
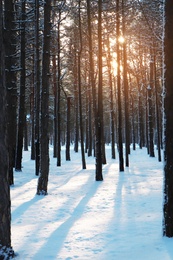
{"points": [[119, 218]]}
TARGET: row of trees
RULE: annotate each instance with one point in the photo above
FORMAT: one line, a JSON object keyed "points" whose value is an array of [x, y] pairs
{"points": [[81, 72], [105, 68]]}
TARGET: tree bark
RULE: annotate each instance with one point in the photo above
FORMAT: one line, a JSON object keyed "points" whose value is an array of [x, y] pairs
{"points": [[112, 123], [157, 111], [150, 108], [79, 92], [68, 129], [91, 74], [6, 250], [168, 122], [37, 91], [126, 92], [44, 160], [99, 126], [120, 143], [21, 110], [10, 64], [58, 112], [76, 106]]}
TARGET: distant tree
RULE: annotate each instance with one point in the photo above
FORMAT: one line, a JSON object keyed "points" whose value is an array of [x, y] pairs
{"points": [[157, 108], [150, 108], [68, 129], [168, 121], [44, 139], [6, 250], [112, 116], [76, 98]]}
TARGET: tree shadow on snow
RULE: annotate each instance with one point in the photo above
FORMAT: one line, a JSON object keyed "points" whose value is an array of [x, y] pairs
{"points": [[56, 240]]}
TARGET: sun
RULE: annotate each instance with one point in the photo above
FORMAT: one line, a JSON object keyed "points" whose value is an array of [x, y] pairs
{"points": [[121, 39]]}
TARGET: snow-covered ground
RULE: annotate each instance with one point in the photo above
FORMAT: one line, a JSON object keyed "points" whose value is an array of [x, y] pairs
{"points": [[117, 219]]}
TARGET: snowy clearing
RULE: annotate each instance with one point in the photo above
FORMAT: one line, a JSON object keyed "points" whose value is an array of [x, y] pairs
{"points": [[119, 218]]}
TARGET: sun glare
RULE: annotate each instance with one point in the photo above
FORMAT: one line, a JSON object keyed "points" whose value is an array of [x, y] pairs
{"points": [[121, 39], [115, 65]]}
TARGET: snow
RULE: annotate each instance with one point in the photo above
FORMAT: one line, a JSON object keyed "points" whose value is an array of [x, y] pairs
{"points": [[119, 218]]}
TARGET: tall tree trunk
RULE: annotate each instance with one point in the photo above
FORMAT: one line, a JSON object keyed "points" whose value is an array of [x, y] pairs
{"points": [[6, 250], [90, 138], [86, 120], [140, 116], [91, 74], [99, 126], [32, 104], [76, 106], [58, 113], [133, 123], [168, 122], [55, 104], [21, 110], [112, 123], [37, 91], [120, 143], [80, 95], [44, 142], [10, 64], [126, 90]]}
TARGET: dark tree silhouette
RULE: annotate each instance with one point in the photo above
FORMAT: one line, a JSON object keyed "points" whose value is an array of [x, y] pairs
{"points": [[37, 91], [150, 107], [126, 90], [6, 250], [21, 108], [44, 139], [68, 129], [120, 142], [168, 121], [99, 126], [80, 90], [10, 64]]}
